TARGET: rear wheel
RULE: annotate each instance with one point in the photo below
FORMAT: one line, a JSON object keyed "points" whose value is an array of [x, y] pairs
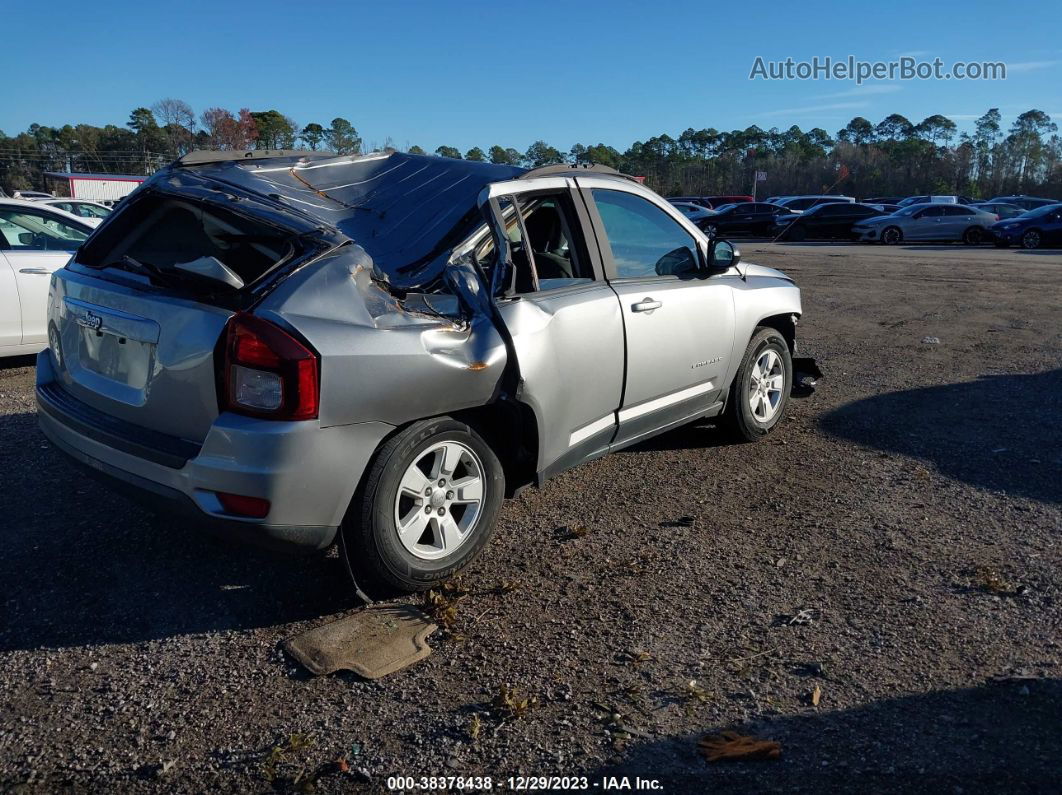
{"points": [[1031, 239], [891, 235], [427, 507], [760, 390], [973, 236]]}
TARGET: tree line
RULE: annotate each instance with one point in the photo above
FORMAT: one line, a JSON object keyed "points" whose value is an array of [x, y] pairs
{"points": [[893, 157]]}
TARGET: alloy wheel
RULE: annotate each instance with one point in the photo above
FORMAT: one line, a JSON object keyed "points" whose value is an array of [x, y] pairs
{"points": [[766, 385], [439, 500]]}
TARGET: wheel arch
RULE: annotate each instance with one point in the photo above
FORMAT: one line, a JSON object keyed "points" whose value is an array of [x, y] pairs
{"points": [[785, 324], [511, 428]]}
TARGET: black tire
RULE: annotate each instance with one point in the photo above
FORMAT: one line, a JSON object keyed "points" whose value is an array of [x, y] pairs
{"points": [[738, 420], [797, 233], [973, 236], [1031, 238], [891, 235], [378, 561]]}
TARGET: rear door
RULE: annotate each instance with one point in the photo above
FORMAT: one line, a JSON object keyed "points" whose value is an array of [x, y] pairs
{"points": [[954, 220], [563, 318], [678, 321], [36, 244], [925, 224], [10, 311]]}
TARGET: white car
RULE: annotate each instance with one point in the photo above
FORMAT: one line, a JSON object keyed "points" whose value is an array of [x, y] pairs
{"points": [[89, 212], [694, 212], [35, 241]]}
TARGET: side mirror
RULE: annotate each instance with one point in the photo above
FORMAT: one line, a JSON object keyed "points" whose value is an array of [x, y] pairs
{"points": [[723, 255], [25, 238]]}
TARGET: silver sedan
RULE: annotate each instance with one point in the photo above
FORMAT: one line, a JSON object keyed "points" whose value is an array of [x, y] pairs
{"points": [[939, 222]]}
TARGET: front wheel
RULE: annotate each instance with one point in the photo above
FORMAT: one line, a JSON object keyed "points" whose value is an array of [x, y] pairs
{"points": [[891, 236], [760, 390], [427, 507], [1031, 239]]}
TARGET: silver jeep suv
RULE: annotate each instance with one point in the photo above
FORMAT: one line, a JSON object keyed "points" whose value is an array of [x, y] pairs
{"points": [[295, 347]]}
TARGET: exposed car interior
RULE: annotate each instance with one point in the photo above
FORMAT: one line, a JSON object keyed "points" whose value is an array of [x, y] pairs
{"points": [[550, 258]]}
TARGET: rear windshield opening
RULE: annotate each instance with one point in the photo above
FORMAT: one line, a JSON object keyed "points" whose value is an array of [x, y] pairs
{"points": [[163, 232]]}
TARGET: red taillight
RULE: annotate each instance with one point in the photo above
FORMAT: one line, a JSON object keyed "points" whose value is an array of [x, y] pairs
{"points": [[267, 372], [251, 507]]}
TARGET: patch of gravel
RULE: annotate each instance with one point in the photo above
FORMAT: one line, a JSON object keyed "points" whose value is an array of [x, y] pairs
{"points": [[894, 543]]}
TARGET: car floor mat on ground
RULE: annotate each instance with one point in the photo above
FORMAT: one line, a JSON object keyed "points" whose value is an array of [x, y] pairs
{"points": [[372, 642]]}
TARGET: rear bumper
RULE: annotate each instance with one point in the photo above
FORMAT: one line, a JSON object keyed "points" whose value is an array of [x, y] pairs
{"points": [[308, 473]]}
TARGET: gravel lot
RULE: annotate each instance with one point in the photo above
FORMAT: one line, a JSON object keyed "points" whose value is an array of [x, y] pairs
{"points": [[911, 509]]}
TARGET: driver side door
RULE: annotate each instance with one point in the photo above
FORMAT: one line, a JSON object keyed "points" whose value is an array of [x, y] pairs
{"points": [[925, 224], [678, 319]]}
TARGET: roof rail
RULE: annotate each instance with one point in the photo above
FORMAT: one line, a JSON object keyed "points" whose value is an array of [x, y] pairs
{"points": [[572, 168], [200, 156]]}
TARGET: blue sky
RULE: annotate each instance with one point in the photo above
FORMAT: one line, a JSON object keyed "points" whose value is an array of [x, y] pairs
{"points": [[479, 73]]}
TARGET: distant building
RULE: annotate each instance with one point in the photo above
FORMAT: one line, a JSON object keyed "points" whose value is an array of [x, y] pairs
{"points": [[96, 187]]}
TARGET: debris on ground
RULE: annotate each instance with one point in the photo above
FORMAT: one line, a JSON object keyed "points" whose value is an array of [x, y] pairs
{"points": [[805, 616], [509, 703], [730, 746], [931, 340], [816, 696], [372, 643]]}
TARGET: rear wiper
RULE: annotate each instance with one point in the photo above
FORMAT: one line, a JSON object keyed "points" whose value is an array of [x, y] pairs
{"points": [[130, 264]]}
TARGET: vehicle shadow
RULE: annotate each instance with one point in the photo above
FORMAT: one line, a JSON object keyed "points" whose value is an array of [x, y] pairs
{"points": [[83, 567], [700, 435], [1000, 432], [1001, 736], [17, 362]]}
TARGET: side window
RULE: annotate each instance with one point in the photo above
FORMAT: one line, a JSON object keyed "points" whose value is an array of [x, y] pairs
{"points": [[31, 231], [934, 211], [551, 254], [956, 210], [92, 211], [645, 240]]}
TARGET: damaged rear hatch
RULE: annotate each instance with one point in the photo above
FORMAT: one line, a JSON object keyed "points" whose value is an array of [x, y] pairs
{"points": [[137, 319]]}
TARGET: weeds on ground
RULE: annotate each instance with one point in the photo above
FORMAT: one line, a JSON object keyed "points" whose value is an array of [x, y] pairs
{"points": [[291, 752], [990, 579], [441, 603], [509, 703]]}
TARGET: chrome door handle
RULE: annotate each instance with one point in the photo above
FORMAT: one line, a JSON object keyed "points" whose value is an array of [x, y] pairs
{"points": [[646, 305], [41, 271]]}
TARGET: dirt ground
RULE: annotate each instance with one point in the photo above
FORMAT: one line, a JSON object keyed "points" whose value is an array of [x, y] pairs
{"points": [[892, 547]]}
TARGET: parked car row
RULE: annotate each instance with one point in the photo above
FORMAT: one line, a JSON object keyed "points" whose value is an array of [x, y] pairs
{"points": [[1028, 221]]}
